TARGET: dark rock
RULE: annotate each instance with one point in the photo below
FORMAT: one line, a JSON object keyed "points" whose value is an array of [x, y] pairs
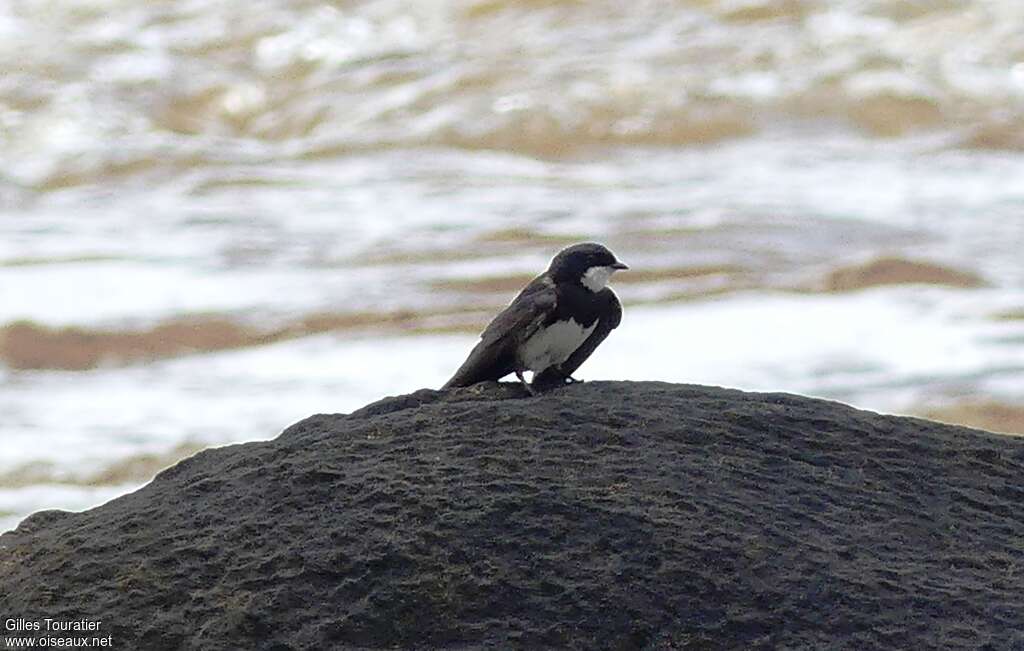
{"points": [[602, 515]]}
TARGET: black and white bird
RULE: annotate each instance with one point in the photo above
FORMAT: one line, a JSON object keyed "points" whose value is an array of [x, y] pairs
{"points": [[552, 326]]}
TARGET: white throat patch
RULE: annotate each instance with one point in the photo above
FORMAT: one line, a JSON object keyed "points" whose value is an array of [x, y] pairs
{"points": [[595, 278]]}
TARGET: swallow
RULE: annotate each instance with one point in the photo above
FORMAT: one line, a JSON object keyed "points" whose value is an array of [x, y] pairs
{"points": [[552, 326]]}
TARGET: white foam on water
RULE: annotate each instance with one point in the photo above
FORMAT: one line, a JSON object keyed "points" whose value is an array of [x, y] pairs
{"points": [[104, 293], [862, 347], [18, 503], [92, 418]]}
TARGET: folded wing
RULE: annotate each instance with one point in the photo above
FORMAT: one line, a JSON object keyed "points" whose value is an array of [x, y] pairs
{"points": [[494, 356]]}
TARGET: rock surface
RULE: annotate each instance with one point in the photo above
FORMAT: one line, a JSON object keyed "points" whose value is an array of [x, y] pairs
{"points": [[603, 515]]}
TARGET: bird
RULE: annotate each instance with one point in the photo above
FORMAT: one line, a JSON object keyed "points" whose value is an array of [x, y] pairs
{"points": [[552, 326]]}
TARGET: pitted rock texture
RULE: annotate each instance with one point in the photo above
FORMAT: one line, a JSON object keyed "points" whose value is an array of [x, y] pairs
{"points": [[606, 515]]}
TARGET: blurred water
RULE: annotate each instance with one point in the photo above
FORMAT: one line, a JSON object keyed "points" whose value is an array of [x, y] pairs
{"points": [[316, 190]]}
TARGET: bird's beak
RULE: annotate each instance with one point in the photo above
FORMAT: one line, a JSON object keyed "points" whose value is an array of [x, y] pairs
{"points": [[620, 265]]}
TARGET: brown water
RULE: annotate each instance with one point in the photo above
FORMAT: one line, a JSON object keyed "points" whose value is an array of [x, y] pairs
{"points": [[217, 218], [118, 91]]}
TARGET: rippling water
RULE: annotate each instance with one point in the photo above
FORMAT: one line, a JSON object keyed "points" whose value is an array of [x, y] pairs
{"points": [[217, 219]]}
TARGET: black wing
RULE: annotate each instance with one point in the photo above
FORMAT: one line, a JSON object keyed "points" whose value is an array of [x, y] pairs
{"points": [[494, 356], [612, 311]]}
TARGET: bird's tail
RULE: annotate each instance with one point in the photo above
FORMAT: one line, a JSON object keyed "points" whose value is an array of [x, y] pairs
{"points": [[483, 364], [458, 380]]}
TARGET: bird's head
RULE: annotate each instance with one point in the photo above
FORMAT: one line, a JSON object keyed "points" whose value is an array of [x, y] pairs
{"points": [[590, 264]]}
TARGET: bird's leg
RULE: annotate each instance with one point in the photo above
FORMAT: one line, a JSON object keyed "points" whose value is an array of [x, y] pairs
{"points": [[526, 385]]}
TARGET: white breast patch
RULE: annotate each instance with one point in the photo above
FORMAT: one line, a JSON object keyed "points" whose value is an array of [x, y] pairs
{"points": [[554, 344]]}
